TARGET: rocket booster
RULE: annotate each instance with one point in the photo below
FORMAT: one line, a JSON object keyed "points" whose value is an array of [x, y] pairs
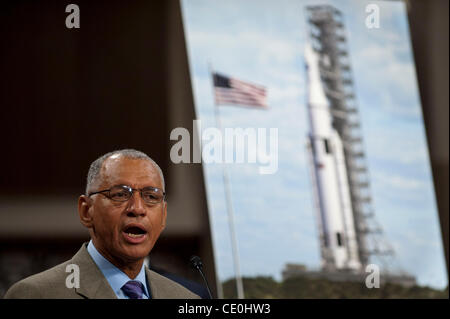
{"points": [[333, 202]]}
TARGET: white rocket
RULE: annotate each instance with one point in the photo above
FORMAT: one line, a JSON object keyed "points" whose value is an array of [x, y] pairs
{"points": [[339, 246]]}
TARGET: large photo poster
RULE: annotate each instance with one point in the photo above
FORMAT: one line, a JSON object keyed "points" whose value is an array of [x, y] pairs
{"points": [[313, 148]]}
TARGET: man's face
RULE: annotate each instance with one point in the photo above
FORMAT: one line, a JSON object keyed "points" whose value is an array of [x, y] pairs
{"points": [[125, 231]]}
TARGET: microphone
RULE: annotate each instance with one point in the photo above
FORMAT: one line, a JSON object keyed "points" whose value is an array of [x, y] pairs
{"points": [[196, 263]]}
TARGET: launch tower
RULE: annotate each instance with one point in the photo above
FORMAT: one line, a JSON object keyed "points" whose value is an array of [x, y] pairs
{"points": [[328, 41]]}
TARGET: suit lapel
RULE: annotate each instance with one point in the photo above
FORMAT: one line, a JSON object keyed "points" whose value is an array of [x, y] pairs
{"points": [[151, 284], [93, 285]]}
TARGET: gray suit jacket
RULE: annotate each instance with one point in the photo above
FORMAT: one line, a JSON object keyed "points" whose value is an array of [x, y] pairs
{"points": [[51, 284]]}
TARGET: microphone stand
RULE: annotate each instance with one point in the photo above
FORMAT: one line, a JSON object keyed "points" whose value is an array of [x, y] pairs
{"points": [[196, 263]]}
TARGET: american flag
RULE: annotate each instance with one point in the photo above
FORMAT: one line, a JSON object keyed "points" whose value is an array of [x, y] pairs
{"points": [[228, 90]]}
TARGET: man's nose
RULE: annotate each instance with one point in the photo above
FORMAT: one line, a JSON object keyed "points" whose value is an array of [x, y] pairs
{"points": [[136, 205]]}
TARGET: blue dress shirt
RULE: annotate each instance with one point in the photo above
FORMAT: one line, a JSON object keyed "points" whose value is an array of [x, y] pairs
{"points": [[115, 277]]}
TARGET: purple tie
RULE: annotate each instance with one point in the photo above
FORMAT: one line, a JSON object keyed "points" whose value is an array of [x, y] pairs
{"points": [[133, 289]]}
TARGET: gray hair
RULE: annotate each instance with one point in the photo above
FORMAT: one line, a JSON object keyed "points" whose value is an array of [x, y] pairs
{"points": [[94, 169]]}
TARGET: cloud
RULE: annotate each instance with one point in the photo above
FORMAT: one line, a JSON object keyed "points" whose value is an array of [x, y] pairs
{"points": [[405, 146], [402, 183]]}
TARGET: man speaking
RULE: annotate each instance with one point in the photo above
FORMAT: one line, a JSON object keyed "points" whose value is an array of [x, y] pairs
{"points": [[125, 211]]}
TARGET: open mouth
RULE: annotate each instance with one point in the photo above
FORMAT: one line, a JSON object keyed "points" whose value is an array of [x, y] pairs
{"points": [[135, 231]]}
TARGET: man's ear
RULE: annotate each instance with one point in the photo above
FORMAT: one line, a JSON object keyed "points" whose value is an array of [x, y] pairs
{"points": [[163, 224], [84, 211]]}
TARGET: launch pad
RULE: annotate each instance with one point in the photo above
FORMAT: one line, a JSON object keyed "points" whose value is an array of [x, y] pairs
{"points": [[297, 270]]}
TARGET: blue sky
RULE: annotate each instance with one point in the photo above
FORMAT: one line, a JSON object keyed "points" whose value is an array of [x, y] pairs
{"points": [[262, 42]]}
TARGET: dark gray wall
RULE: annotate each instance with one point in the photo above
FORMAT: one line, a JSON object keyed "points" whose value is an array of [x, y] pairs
{"points": [[429, 33], [70, 95]]}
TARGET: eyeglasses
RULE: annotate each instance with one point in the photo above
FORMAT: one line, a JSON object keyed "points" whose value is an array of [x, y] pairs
{"points": [[122, 193]]}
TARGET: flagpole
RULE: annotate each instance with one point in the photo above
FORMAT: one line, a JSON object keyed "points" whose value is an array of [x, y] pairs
{"points": [[229, 204]]}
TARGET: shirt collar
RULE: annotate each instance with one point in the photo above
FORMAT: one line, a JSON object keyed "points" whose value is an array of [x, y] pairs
{"points": [[115, 277]]}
